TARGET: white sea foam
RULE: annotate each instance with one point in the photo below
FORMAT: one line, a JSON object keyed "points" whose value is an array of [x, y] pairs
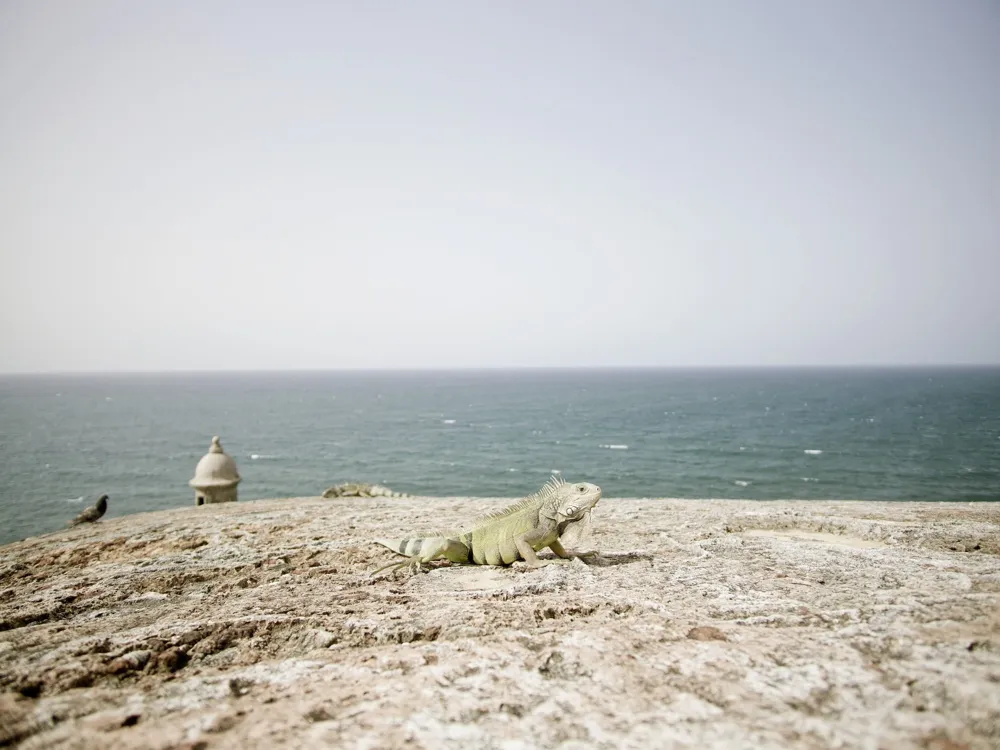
{"points": [[809, 479], [555, 471], [812, 452], [447, 421], [614, 447], [74, 499], [742, 482], [742, 448], [260, 457]]}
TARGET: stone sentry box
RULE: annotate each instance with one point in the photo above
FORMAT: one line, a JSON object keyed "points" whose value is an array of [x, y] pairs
{"points": [[215, 477]]}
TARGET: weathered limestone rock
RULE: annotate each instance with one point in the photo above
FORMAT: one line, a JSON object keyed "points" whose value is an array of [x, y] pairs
{"points": [[215, 477], [703, 624]]}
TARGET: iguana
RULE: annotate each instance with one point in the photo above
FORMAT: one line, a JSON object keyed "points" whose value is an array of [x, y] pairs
{"points": [[358, 489], [514, 533]]}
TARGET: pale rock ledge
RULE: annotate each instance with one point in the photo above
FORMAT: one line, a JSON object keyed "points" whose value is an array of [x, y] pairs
{"points": [[704, 624]]}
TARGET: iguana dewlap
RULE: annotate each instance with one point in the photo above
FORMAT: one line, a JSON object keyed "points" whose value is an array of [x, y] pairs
{"points": [[514, 533]]}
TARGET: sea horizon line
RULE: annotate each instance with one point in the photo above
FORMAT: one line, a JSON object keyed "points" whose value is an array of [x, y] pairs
{"points": [[509, 369]]}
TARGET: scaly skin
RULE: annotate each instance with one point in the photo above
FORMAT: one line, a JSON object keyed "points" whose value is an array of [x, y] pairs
{"points": [[515, 533], [355, 489]]}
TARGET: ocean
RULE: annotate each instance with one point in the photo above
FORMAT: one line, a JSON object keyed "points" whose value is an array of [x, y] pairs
{"points": [[889, 434]]}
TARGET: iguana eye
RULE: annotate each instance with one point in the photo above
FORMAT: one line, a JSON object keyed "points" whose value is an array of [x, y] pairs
{"points": [[581, 489]]}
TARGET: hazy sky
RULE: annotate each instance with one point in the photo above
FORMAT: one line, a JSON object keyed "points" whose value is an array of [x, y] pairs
{"points": [[265, 185]]}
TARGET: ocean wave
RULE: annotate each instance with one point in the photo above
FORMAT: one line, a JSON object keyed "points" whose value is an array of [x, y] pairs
{"points": [[614, 447], [261, 457], [74, 499], [743, 482], [447, 421], [809, 479], [812, 452]]}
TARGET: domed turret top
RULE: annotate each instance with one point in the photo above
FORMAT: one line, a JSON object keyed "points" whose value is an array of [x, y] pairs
{"points": [[216, 470]]}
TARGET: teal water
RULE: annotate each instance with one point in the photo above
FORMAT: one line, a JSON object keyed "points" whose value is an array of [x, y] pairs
{"points": [[758, 434]]}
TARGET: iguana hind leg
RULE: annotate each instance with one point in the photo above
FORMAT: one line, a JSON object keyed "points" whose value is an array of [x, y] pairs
{"points": [[431, 549], [415, 561]]}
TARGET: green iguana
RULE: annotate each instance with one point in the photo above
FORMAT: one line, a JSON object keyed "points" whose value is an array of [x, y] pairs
{"points": [[359, 489], [514, 533]]}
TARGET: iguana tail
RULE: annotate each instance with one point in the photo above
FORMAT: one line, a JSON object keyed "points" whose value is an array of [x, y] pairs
{"points": [[378, 490], [420, 550], [408, 546]]}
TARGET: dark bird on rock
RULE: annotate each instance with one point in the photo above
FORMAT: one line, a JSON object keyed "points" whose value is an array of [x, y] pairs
{"points": [[91, 514]]}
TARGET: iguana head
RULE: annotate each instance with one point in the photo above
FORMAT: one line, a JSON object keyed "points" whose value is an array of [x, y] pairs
{"points": [[571, 502]]}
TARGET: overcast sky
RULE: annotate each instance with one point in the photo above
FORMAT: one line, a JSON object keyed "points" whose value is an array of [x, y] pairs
{"points": [[264, 185]]}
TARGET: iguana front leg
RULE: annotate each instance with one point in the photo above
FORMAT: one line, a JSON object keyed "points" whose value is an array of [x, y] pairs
{"points": [[526, 544], [528, 553], [561, 551]]}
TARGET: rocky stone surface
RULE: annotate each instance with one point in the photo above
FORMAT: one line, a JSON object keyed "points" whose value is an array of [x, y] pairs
{"points": [[702, 624]]}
